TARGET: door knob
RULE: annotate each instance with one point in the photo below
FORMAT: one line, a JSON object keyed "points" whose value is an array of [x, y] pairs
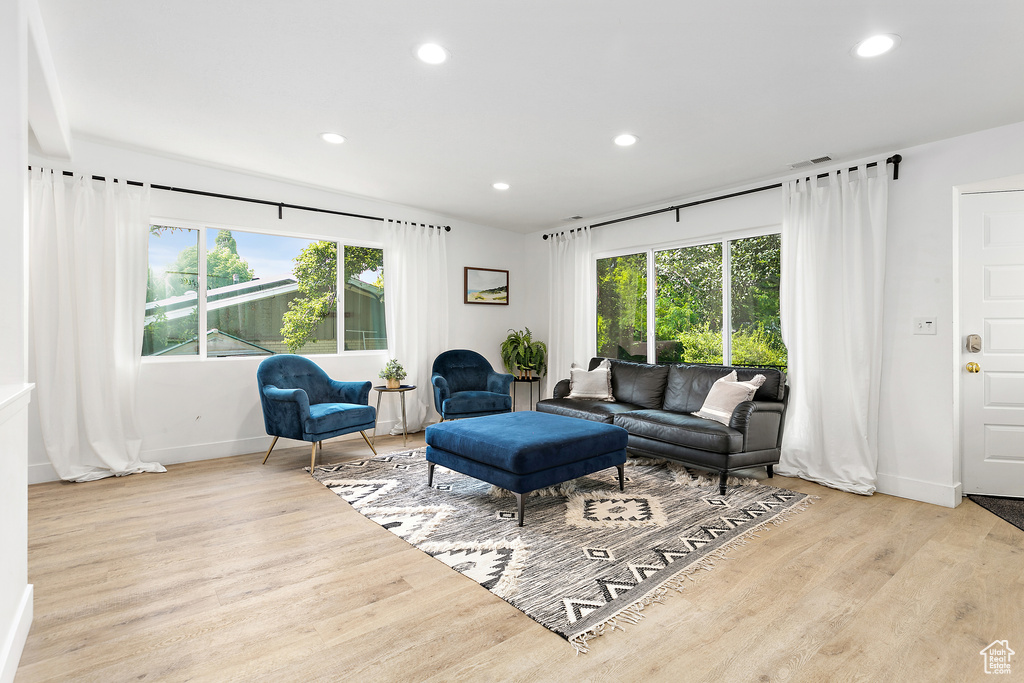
{"points": [[973, 367]]}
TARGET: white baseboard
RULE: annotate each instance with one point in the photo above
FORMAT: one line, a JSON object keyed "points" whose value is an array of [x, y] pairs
{"points": [[39, 473], [224, 449], [17, 633], [925, 491]]}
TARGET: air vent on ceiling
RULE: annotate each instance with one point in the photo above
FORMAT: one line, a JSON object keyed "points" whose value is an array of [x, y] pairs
{"points": [[810, 162]]}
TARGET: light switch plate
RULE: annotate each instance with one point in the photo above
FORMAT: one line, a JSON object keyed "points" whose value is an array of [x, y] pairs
{"points": [[925, 325]]}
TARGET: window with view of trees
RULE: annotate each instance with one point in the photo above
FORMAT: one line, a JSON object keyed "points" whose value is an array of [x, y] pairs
{"points": [[260, 294], [691, 301], [622, 306]]}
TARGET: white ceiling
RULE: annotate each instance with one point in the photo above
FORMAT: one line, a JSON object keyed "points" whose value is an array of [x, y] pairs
{"points": [[720, 93]]}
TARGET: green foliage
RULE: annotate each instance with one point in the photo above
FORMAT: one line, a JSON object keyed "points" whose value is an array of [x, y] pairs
{"points": [[520, 351], [393, 370], [699, 344], [316, 272], [621, 303], [754, 345], [689, 286], [223, 266], [225, 240], [756, 268], [361, 259]]}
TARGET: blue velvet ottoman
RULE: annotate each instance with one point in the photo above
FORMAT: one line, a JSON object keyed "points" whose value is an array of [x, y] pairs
{"points": [[525, 451]]}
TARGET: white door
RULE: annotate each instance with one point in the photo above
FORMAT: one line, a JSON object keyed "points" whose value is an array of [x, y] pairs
{"points": [[992, 307]]}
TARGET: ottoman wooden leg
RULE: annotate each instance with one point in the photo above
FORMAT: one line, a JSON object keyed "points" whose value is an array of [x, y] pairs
{"points": [[722, 479], [519, 506], [622, 477], [430, 474]]}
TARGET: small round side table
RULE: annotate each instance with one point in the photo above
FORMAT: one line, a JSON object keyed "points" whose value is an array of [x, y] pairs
{"points": [[381, 390]]}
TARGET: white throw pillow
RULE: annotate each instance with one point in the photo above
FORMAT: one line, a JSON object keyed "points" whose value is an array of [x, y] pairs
{"points": [[725, 395], [594, 385]]}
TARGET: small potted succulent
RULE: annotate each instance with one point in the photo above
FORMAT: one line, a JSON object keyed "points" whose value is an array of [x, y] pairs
{"points": [[394, 373]]}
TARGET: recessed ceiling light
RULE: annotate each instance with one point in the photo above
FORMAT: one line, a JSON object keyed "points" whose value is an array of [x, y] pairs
{"points": [[333, 138], [877, 45], [626, 139], [432, 53], [500, 186]]}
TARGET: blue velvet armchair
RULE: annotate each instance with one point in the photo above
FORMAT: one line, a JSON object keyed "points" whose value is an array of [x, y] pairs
{"points": [[301, 402], [465, 385]]}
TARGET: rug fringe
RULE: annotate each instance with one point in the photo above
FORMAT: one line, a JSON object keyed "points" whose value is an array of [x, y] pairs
{"points": [[633, 613], [687, 476]]}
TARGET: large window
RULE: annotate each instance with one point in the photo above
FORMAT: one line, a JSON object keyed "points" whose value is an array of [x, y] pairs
{"points": [[689, 301], [259, 294]]}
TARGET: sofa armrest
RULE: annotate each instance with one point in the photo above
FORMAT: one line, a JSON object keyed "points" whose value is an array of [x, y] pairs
{"points": [[441, 391], [285, 411], [759, 422], [498, 382], [561, 389]]}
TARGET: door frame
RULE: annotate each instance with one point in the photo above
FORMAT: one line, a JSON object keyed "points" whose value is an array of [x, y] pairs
{"points": [[1013, 183]]}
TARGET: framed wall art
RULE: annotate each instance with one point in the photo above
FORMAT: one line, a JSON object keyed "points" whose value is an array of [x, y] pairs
{"points": [[486, 286]]}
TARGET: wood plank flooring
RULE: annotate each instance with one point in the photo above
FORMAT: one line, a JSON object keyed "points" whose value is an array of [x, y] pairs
{"points": [[229, 570]]}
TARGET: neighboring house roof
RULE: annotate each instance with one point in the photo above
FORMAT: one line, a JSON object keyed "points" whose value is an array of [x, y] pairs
{"points": [[244, 292], [217, 344]]}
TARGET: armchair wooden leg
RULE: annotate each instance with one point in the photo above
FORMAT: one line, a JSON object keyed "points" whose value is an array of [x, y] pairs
{"points": [[312, 462], [272, 444], [363, 434]]}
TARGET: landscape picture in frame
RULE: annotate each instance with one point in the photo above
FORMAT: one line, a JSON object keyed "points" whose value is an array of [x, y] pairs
{"points": [[486, 286]]}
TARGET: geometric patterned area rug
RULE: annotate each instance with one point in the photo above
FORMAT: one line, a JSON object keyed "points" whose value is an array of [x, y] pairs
{"points": [[589, 557]]}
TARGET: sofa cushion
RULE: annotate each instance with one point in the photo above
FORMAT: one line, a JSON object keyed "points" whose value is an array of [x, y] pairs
{"points": [[586, 409], [679, 428], [688, 385], [637, 383], [476, 402]]}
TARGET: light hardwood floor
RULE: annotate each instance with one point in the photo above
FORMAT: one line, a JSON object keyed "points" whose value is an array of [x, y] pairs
{"points": [[229, 570]]}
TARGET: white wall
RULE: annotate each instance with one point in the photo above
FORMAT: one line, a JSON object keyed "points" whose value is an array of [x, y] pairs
{"points": [[15, 592], [918, 449], [194, 409]]}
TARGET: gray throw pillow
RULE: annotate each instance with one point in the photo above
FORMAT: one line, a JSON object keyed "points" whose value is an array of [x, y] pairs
{"points": [[726, 394], [595, 385]]}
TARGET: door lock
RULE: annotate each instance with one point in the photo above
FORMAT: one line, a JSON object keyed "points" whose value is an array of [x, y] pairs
{"points": [[973, 367], [973, 343]]}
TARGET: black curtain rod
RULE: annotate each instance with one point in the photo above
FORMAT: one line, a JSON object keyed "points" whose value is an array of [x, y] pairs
{"points": [[894, 160], [281, 206]]}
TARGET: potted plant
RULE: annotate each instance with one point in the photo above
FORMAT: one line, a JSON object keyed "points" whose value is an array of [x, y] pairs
{"points": [[394, 373], [519, 352]]}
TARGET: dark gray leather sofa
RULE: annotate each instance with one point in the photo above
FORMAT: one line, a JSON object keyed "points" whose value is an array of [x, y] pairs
{"points": [[654, 404]]}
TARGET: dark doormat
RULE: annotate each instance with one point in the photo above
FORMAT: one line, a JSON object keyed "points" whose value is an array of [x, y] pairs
{"points": [[1010, 509]]}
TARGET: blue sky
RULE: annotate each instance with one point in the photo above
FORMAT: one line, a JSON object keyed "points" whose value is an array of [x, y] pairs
{"points": [[269, 256]]}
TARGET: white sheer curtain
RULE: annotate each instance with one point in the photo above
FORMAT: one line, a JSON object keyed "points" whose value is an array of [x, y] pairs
{"points": [[570, 313], [87, 291], [416, 313], [833, 271]]}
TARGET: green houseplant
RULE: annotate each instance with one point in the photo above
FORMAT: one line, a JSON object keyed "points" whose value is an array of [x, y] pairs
{"points": [[394, 373], [522, 355]]}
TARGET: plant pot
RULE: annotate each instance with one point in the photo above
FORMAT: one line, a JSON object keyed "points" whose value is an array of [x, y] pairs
{"points": [[393, 383]]}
